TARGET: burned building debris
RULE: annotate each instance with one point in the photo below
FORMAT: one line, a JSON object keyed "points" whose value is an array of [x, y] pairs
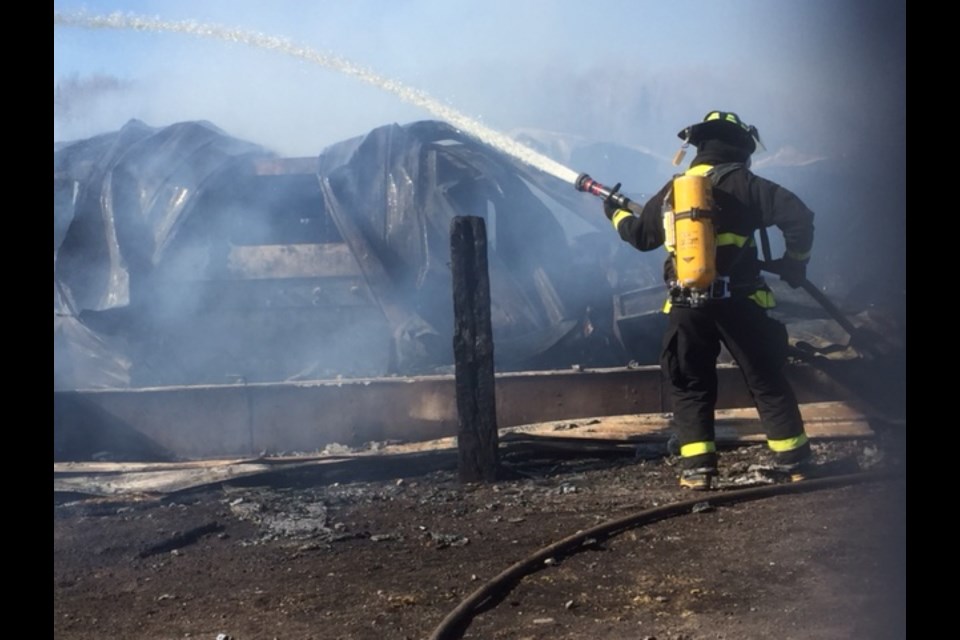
{"points": [[213, 298], [185, 256]]}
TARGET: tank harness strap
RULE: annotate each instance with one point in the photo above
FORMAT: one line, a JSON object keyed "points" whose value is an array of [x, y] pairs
{"points": [[721, 287]]}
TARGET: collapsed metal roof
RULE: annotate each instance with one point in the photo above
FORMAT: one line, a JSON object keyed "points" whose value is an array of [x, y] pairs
{"points": [[183, 255]]}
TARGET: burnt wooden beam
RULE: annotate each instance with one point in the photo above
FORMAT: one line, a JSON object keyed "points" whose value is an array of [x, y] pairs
{"points": [[477, 438]]}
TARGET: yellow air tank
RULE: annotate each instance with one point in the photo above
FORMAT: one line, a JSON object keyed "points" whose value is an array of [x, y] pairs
{"points": [[694, 235]]}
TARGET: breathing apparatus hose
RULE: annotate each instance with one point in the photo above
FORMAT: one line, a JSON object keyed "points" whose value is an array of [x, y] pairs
{"points": [[455, 623]]}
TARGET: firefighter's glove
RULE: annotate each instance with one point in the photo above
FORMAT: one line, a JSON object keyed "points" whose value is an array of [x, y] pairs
{"points": [[792, 271], [609, 208]]}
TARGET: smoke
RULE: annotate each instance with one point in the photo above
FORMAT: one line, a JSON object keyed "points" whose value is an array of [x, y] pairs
{"points": [[823, 82], [76, 101]]}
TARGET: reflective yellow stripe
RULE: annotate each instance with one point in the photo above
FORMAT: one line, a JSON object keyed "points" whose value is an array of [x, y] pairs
{"points": [[763, 298], [619, 216], [697, 449], [726, 239], [789, 444], [667, 305], [729, 117], [799, 255], [699, 170]]}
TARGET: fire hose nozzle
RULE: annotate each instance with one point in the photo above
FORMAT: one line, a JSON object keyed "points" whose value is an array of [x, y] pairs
{"points": [[588, 185], [582, 181]]}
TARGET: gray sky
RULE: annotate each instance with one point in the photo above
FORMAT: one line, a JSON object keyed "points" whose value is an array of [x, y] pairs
{"points": [[816, 77]]}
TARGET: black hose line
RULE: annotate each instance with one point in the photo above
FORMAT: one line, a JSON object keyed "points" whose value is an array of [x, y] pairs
{"points": [[455, 623]]}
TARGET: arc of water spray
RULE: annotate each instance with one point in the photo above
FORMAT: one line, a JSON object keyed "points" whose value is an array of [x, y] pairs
{"points": [[284, 46]]}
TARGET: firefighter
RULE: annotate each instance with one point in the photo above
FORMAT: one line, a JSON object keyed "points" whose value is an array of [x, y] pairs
{"points": [[732, 308]]}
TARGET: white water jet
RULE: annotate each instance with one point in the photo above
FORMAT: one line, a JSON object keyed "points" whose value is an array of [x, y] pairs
{"points": [[284, 46]]}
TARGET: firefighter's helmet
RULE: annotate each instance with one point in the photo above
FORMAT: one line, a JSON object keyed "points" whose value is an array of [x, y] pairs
{"points": [[722, 125]]}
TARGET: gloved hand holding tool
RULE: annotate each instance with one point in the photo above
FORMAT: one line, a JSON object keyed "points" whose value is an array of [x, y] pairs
{"points": [[790, 270], [610, 206]]}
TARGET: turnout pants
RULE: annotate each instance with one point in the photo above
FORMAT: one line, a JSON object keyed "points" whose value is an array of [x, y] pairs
{"points": [[759, 344]]}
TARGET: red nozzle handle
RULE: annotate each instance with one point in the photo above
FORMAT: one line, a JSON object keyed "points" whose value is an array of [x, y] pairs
{"points": [[588, 185]]}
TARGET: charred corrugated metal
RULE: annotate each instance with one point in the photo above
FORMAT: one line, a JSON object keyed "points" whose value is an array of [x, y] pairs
{"points": [[212, 298], [186, 256]]}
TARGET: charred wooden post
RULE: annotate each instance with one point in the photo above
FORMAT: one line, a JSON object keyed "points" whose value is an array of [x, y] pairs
{"points": [[473, 351]]}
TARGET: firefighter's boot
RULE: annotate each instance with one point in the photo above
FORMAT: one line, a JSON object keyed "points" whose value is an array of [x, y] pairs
{"points": [[795, 465], [698, 472], [699, 479]]}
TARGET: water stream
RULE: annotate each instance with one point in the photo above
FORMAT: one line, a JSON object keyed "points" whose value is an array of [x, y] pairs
{"points": [[281, 45]]}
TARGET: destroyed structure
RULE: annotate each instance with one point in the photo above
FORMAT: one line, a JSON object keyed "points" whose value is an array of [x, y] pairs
{"points": [[214, 299], [185, 256]]}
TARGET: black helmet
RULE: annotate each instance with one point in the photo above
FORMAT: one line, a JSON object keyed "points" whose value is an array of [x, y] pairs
{"points": [[722, 125]]}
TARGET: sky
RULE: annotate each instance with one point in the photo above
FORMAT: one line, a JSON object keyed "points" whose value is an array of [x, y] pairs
{"points": [[817, 77]]}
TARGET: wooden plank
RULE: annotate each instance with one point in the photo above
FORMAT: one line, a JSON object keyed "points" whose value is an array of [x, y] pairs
{"points": [[224, 420], [321, 260], [823, 420]]}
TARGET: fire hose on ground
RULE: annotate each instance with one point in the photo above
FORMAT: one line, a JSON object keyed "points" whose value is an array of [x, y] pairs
{"points": [[453, 626]]}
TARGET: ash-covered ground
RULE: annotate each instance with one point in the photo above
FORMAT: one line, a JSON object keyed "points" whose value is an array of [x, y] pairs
{"points": [[363, 554]]}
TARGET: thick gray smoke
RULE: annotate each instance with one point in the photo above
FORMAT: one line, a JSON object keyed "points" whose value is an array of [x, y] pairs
{"points": [[823, 83]]}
